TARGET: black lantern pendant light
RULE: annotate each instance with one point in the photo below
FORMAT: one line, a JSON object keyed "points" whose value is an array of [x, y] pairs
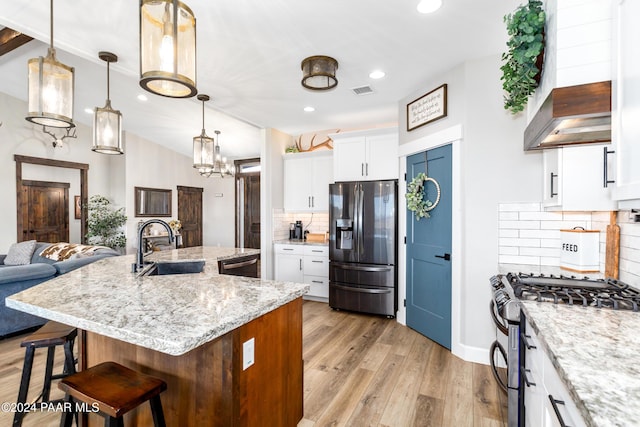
{"points": [[50, 89], [167, 48], [107, 122], [203, 147]]}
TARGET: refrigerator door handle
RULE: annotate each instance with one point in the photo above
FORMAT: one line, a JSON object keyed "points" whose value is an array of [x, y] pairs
{"points": [[359, 268], [363, 290], [360, 220]]}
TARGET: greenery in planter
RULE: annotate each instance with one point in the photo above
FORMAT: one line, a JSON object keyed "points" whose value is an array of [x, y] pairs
{"points": [[105, 223], [525, 28]]}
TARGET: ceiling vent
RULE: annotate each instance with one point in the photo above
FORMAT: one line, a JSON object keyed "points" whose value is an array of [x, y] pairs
{"points": [[362, 90]]}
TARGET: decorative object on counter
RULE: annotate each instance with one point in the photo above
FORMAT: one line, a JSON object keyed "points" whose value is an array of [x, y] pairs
{"points": [[167, 48], [291, 149], [50, 89], [612, 249], [415, 196], [203, 147], [107, 122], [175, 225], [580, 250], [524, 58], [104, 225], [319, 72], [429, 107], [299, 146]]}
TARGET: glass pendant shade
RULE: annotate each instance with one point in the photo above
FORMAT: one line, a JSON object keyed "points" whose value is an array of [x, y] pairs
{"points": [[203, 147], [50, 89], [107, 122], [319, 73], [167, 48]]}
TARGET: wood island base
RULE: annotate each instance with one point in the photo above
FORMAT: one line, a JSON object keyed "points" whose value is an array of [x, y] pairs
{"points": [[207, 386]]}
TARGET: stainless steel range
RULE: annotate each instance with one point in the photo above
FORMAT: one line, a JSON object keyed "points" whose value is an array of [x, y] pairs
{"points": [[507, 292]]}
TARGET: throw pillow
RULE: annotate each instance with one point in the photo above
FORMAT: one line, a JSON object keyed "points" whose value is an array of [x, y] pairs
{"points": [[20, 253], [63, 251]]}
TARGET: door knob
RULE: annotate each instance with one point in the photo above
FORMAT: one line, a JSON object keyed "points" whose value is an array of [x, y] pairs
{"points": [[446, 257]]}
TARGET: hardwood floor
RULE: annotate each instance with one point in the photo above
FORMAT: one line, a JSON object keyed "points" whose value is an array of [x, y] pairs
{"points": [[359, 371]]}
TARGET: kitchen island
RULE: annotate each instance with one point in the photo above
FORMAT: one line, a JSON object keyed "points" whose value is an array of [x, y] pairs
{"points": [[190, 330]]}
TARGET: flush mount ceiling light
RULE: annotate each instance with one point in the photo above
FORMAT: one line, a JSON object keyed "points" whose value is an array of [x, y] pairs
{"points": [[50, 89], [429, 6], [107, 122], [319, 73], [167, 48], [203, 147]]}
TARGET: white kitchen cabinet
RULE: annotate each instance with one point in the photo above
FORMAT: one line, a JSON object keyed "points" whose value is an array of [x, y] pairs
{"points": [[574, 178], [365, 155], [625, 103], [545, 384], [304, 264], [306, 181]]}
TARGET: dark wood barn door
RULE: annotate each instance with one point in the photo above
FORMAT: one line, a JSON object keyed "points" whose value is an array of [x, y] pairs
{"points": [[44, 211], [252, 211], [190, 214]]}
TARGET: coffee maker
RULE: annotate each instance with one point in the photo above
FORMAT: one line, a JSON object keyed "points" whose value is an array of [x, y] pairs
{"points": [[297, 232]]}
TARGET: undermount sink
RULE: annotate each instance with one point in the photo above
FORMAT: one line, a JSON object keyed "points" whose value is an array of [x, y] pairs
{"points": [[162, 268]]}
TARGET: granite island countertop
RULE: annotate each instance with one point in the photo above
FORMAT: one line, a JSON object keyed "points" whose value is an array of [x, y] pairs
{"points": [[596, 352], [171, 314]]}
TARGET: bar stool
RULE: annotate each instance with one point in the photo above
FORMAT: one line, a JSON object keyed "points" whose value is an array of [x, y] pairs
{"points": [[51, 335], [116, 390]]}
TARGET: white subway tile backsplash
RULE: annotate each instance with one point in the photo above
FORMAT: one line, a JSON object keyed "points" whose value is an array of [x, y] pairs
{"points": [[508, 233], [521, 243], [504, 216], [540, 234], [520, 225]]}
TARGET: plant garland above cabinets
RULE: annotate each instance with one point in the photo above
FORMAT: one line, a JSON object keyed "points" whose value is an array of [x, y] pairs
{"points": [[522, 63]]}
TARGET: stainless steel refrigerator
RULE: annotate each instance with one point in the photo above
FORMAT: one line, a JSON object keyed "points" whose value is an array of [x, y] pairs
{"points": [[362, 246]]}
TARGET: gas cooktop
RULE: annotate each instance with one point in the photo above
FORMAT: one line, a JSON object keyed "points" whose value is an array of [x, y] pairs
{"points": [[605, 293]]}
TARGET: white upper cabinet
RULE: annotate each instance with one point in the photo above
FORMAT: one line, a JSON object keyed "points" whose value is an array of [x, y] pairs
{"points": [[306, 181], [365, 155], [626, 102], [579, 178]]}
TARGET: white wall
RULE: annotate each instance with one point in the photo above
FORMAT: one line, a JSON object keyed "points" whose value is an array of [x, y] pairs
{"points": [[274, 143], [152, 165], [18, 136], [492, 168]]}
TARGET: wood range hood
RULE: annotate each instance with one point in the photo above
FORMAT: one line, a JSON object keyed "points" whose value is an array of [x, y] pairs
{"points": [[572, 115]]}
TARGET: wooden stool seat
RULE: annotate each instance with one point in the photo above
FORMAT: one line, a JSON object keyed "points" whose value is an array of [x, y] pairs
{"points": [[51, 335], [116, 390]]}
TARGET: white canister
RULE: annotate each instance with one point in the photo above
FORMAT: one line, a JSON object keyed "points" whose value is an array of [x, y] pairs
{"points": [[580, 250]]}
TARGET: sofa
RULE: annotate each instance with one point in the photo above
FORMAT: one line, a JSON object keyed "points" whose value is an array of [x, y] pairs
{"points": [[16, 278]]}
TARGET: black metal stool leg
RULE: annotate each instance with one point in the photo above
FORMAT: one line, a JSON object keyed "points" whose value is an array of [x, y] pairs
{"points": [[48, 372], [68, 416], [113, 422], [24, 385], [69, 360], [156, 411]]}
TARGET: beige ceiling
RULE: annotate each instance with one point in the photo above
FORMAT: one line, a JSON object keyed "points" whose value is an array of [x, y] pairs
{"points": [[249, 55]]}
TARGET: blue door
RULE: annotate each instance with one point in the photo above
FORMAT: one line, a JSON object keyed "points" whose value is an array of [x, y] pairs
{"points": [[429, 250]]}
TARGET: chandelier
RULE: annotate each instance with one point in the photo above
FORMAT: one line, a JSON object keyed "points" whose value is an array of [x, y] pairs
{"points": [[50, 89]]}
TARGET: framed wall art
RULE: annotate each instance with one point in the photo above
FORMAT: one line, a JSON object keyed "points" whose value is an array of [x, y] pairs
{"points": [[428, 108], [77, 207]]}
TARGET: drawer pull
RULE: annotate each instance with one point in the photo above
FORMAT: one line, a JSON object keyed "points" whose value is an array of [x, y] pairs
{"points": [[555, 403], [287, 249], [317, 281], [321, 262]]}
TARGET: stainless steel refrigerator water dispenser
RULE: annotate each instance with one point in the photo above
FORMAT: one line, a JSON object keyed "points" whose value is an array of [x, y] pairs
{"points": [[344, 234]]}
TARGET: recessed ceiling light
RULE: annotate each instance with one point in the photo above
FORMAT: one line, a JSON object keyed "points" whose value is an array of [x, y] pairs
{"points": [[429, 6], [142, 97], [309, 109], [377, 74], [88, 110]]}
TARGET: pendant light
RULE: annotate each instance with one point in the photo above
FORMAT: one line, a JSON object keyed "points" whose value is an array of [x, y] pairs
{"points": [[203, 147], [107, 122], [221, 167], [167, 48], [50, 89]]}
